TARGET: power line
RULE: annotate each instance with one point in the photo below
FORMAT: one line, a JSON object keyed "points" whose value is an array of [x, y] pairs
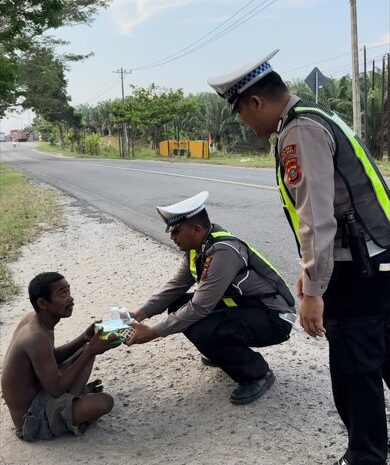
{"points": [[104, 88], [329, 59], [204, 36], [342, 68], [233, 26]]}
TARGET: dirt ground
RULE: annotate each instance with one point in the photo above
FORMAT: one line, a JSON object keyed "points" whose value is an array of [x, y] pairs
{"points": [[169, 408]]}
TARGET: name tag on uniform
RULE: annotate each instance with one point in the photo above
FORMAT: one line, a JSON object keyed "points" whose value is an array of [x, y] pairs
{"points": [[384, 267]]}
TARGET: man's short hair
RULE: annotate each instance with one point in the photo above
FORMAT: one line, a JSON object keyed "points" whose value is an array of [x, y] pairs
{"points": [[270, 86], [40, 287], [201, 218]]}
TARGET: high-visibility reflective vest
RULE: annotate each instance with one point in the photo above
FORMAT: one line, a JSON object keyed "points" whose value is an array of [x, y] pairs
{"points": [[368, 191], [256, 262]]}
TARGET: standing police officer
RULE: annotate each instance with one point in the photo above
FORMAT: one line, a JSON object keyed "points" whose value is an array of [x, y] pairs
{"points": [[338, 206], [240, 300]]}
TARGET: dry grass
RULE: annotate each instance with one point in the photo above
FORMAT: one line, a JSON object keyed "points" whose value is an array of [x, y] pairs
{"points": [[25, 210]]}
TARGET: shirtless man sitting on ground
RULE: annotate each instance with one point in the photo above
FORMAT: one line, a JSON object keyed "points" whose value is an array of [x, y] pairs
{"points": [[45, 387]]}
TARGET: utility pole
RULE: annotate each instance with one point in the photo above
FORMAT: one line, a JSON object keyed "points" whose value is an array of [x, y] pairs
{"points": [[388, 106], [372, 147], [355, 71], [383, 110], [366, 135], [124, 125]]}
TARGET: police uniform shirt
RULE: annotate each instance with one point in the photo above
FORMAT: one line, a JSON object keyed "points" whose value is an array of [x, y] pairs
{"points": [[306, 148], [222, 267]]}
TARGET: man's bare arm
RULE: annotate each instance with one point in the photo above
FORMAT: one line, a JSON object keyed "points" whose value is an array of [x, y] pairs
{"points": [[65, 351], [54, 381]]}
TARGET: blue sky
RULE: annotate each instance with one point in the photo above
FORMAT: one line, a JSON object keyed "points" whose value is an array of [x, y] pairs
{"points": [[134, 33]]}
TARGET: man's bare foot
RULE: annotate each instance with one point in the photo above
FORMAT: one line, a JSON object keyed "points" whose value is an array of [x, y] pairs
{"points": [[93, 387]]}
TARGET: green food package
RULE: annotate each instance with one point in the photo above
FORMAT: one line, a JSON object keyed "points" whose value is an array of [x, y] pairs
{"points": [[115, 327]]}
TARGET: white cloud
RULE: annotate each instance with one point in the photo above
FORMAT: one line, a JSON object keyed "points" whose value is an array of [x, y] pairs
{"points": [[384, 40], [128, 14]]}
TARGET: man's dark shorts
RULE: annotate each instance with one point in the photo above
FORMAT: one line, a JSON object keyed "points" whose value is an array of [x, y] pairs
{"points": [[49, 417]]}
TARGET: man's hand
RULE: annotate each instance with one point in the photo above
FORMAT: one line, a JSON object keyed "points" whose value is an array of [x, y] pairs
{"points": [[141, 335], [138, 315], [310, 315], [90, 331], [299, 286], [98, 346]]}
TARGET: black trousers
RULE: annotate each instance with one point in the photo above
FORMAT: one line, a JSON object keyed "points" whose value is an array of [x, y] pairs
{"points": [[226, 335], [357, 321]]}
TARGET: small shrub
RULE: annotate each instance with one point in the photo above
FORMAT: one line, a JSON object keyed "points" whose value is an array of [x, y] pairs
{"points": [[92, 144]]}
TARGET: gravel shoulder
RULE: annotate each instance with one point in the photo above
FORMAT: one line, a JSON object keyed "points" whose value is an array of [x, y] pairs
{"points": [[169, 408]]}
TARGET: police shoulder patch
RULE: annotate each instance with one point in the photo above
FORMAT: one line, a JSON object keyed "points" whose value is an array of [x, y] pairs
{"points": [[206, 267], [293, 170], [288, 151]]}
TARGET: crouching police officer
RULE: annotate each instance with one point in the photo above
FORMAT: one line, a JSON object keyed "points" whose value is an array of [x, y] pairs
{"points": [[240, 300]]}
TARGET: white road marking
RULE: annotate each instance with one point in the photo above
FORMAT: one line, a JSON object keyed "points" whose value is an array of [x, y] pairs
{"points": [[202, 178]]}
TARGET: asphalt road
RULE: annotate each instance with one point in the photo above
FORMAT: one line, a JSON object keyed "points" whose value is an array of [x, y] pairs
{"points": [[243, 200]]}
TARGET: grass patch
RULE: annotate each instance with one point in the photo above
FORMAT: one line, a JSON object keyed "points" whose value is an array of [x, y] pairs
{"points": [[25, 210], [55, 150], [143, 153], [246, 160], [140, 152], [384, 166]]}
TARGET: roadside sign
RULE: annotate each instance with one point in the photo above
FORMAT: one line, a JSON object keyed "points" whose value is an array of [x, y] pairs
{"points": [[316, 81]]}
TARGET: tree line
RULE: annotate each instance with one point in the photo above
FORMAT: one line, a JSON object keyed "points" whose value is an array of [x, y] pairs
{"points": [[153, 114]]}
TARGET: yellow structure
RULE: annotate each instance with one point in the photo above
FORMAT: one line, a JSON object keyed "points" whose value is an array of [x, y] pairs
{"points": [[190, 148]]}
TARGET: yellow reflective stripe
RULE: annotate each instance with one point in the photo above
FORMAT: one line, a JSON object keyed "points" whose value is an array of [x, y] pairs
{"points": [[225, 233], [229, 302], [192, 264], [221, 234], [379, 188], [381, 194], [263, 258], [287, 203]]}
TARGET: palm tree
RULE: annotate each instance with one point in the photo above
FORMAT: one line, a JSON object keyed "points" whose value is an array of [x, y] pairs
{"points": [[299, 88], [216, 119], [337, 95]]}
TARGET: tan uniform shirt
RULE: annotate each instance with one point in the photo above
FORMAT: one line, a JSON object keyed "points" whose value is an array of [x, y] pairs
{"points": [[306, 149], [226, 259]]}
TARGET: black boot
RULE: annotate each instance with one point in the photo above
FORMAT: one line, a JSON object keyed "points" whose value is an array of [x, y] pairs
{"points": [[207, 361], [342, 461], [249, 391]]}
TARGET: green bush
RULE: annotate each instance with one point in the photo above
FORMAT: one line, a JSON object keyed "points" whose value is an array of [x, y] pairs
{"points": [[108, 150], [52, 139], [92, 144]]}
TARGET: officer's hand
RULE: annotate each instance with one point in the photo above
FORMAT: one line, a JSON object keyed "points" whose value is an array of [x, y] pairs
{"points": [[138, 315], [310, 315], [299, 286], [141, 335]]}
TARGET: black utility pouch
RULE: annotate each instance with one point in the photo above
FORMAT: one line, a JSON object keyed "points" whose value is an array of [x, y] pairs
{"points": [[357, 245]]}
